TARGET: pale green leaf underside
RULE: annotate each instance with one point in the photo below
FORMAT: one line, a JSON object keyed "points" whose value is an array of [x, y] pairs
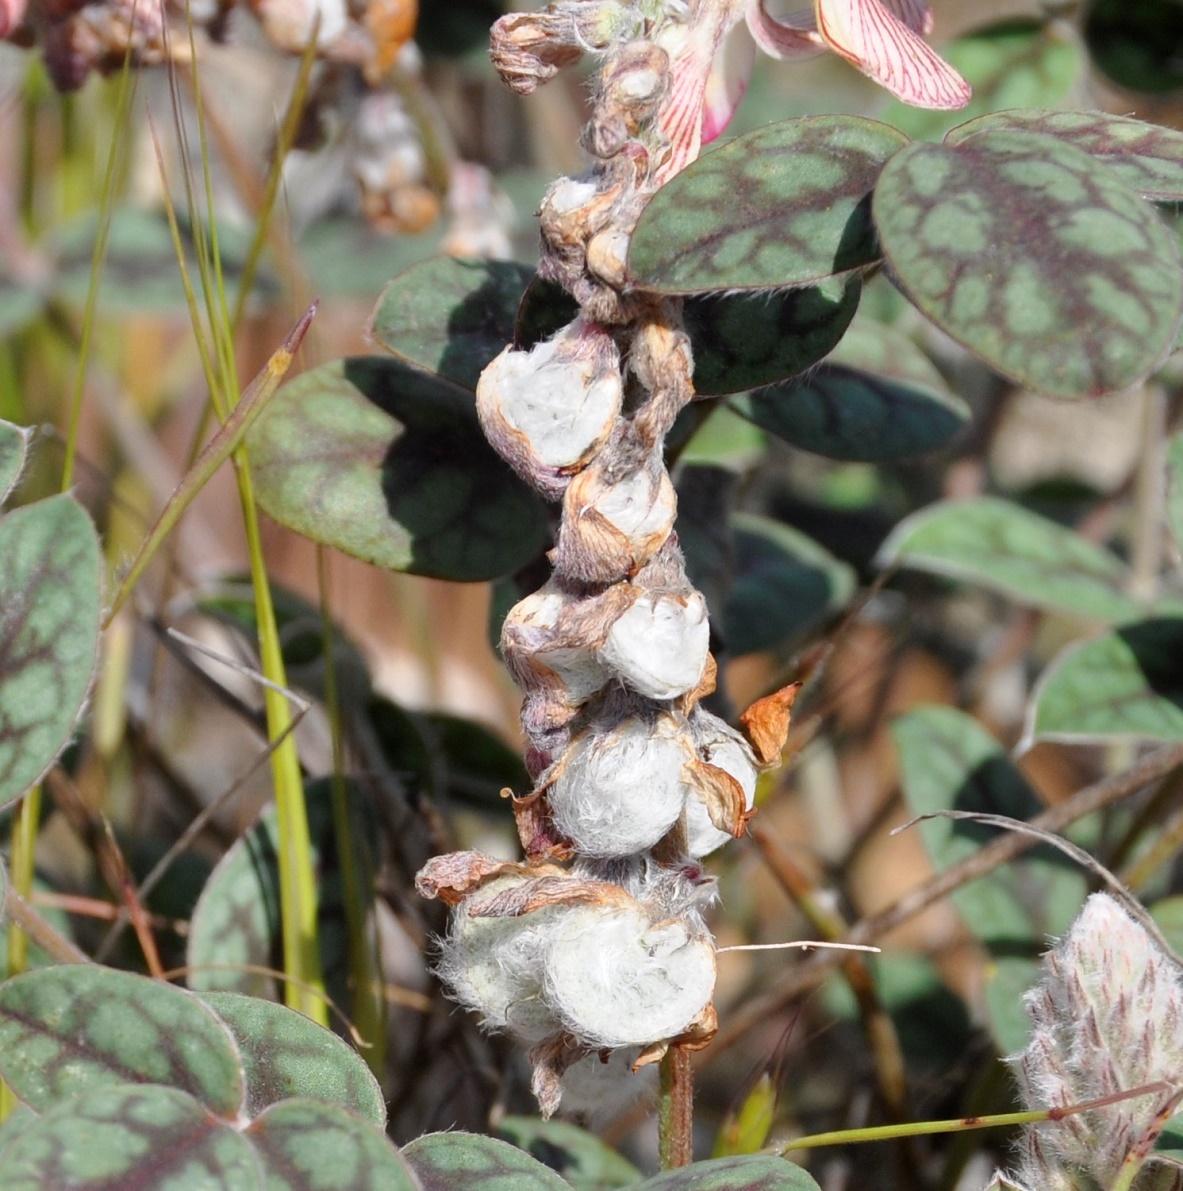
{"points": [[14, 442], [1125, 684], [1004, 548]]}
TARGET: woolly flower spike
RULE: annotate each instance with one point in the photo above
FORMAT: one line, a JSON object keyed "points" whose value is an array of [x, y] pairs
{"points": [[1107, 1017]]}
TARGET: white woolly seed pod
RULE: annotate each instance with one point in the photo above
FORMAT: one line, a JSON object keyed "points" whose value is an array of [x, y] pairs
{"points": [[619, 792], [658, 646], [724, 748], [493, 966], [547, 411], [614, 979], [527, 645], [613, 526], [599, 1088]]}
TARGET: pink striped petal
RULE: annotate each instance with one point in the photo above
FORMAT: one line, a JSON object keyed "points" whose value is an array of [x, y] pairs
{"points": [[870, 37], [916, 14], [682, 119], [794, 35], [727, 82]]}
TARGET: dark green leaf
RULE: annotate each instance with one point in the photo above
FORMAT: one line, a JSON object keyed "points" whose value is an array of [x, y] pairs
{"points": [[477, 765], [545, 308], [67, 1029], [50, 596], [307, 1145], [784, 582], [284, 1054], [1013, 64], [784, 206], [1003, 547], [129, 1138], [1128, 683], [470, 1162], [949, 762], [14, 442], [235, 924], [1146, 157], [387, 463], [1136, 42], [1035, 257], [742, 341], [877, 397], [751, 1172], [580, 1157], [451, 316]]}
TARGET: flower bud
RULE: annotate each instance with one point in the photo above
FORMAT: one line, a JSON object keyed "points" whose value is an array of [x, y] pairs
{"points": [[658, 646], [620, 791], [547, 411]]}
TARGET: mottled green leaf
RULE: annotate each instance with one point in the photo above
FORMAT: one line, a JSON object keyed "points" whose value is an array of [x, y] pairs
{"points": [[583, 1160], [50, 596], [876, 397], [14, 442], [1035, 257], [307, 1145], [949, 762], [129, 1138], [1136, 42], [751, 1172], [471, 1162], [742, 341], [1127, 683], [284, 1054], [1003, 547], [451, 316], [1013, 64], [783, 584], [387, 463], [1146, 157], [73, 1027], [784, 206]]}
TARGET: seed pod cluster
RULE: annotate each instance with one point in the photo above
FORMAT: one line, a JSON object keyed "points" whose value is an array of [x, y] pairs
{"points": [[594, 953]]}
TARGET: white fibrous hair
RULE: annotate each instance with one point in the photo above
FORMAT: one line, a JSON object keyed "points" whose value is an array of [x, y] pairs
{"points": [[619, 792], [616, 980], [1106, 1017], [603, 1085], [658, 647], [493, 967]]}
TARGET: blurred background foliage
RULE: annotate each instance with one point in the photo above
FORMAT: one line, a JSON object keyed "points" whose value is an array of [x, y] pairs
{"points": [[933, 677]]}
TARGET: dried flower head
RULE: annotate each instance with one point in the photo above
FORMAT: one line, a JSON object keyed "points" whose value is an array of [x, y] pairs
{"points": [[1107, 1017]]}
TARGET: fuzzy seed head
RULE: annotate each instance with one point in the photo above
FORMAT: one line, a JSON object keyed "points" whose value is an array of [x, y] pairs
{"points": [[658, 646]]}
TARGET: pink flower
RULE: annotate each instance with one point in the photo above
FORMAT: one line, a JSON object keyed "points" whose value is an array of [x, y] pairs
{"points": [[882, 38]]}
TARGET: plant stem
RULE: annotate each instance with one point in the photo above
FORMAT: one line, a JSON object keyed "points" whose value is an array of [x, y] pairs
{"points": [[675, 1110]]}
